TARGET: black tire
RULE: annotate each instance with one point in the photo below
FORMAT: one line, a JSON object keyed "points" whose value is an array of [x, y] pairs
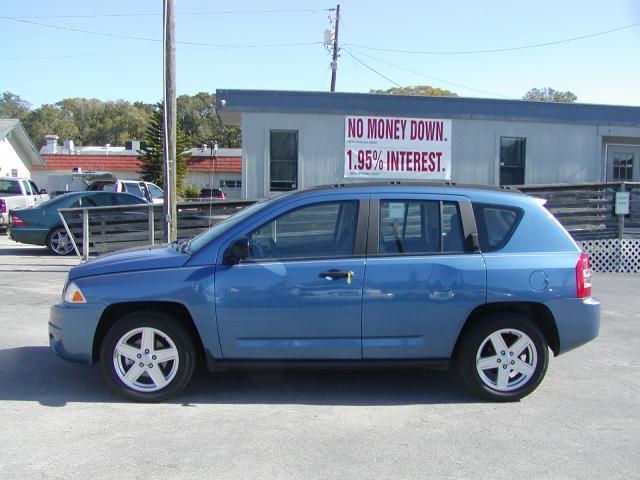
{"points": [[167, 325], [54, 246], [477, 337]]}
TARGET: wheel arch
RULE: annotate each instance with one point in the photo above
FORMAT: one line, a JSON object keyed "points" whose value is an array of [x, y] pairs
{"points": [[116, 311], [537, 313]]}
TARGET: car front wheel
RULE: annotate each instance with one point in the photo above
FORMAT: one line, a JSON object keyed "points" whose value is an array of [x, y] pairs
{"points": [[147, 356], [503, 358]]}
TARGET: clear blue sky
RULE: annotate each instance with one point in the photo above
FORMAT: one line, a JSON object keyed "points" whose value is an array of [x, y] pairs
{"points": [[602, 69]]}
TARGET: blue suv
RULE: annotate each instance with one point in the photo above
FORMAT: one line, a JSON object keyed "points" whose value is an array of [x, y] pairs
{"points": [[363, 275]]}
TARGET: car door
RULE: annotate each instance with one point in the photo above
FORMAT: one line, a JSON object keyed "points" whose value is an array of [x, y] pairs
{"points": [[422, 279], [299, 294]]}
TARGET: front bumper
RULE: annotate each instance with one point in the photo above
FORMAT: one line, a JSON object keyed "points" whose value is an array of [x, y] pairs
{"points": [[72, 329], [577, 320]]}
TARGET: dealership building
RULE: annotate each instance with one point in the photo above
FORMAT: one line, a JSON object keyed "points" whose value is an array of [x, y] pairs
{"points": [[294, 140]]}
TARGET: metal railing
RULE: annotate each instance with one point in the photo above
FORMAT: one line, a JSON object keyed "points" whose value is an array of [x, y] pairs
{"points": [[99, 230]]}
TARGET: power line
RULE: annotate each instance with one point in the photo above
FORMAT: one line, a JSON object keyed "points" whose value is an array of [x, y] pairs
{"points": [[348, 52], [495, 50], [219, 12], [433, 78], [147, 39]]}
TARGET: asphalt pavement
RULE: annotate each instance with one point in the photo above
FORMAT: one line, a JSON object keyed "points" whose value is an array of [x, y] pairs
{"points": [[59, 420]]}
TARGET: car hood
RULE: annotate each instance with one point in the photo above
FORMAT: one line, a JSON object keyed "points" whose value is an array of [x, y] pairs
{"points": [[131, 260]]}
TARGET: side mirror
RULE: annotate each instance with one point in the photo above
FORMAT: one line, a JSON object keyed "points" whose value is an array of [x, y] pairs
{"points": [[473, 244], [236, 252], [43, 192]]}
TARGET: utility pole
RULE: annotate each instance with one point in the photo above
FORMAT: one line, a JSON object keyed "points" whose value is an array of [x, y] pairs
{"points": [[170, 120], [334, 63]]}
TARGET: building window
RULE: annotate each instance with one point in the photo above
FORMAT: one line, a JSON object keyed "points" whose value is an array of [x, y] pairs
{"points": [[512, 160], [283, 160], [230, 183], [14, 172], [622, 166]]}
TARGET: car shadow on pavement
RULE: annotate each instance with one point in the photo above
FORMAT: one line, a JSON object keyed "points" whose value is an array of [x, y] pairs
{"points": [[35, 374]]}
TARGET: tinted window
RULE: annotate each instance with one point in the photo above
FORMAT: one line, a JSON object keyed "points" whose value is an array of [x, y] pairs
{"points": [[126, 199], [34, 187], [100, 199], [315, 231], [419, 226], [496, 224]]}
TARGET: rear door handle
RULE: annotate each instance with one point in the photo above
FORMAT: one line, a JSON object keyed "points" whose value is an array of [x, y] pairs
{"points": [[333, 274]]}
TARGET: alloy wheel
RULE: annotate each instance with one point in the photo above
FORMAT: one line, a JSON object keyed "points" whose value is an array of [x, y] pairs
{"points": [[145, 359], [506, 359]]}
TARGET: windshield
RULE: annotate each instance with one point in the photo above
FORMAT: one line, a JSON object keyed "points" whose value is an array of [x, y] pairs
{"points": [[199, 241]]}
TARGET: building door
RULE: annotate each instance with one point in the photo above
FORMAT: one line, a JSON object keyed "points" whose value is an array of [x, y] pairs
{"points": [[623, 163], [512, 160]]}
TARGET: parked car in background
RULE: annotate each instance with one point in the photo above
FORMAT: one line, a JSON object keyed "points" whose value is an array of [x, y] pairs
{"points": [[147, 190], [479, 277], [17, 193], [41, 225], [212, 193]]}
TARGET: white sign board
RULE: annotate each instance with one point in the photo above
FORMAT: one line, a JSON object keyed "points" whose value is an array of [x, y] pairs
{"points": [[622, 203], [389, 147]]}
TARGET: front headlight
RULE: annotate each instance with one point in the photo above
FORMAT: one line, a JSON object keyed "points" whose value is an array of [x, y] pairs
{"points": [[73, 294]]}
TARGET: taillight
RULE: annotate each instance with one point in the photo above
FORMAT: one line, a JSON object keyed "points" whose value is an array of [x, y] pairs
{"points": [[583, 276], [17, 221], [3, 206]]}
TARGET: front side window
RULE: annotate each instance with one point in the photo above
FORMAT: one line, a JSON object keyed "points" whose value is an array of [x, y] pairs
{"points": [[512, 160], [283, 160], [321, 230], [419, 227], [34, 188]]}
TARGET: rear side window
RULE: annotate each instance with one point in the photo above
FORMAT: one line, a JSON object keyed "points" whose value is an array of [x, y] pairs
{"points": [[419, 227], [496, 224]]}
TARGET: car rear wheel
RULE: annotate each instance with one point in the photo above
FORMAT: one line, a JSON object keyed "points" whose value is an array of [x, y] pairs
{"points": [[58, 242], [147, 356], [503, 358]]}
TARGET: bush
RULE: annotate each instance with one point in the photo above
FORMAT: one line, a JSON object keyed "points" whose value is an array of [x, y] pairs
{"points": [[191, 191]]}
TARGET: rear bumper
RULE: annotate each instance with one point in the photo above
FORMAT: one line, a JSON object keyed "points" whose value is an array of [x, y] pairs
{"points": [[577, 320], [72, 329], [32, 236]]}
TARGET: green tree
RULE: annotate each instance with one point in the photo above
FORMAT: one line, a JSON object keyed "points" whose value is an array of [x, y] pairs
{"points": [[50, 119], [12, 106], [416, 90], [549, 95], [152, 163], [198, 119]]}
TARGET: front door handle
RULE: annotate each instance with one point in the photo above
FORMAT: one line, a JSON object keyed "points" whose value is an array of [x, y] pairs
{"points": [[333, 274]]}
